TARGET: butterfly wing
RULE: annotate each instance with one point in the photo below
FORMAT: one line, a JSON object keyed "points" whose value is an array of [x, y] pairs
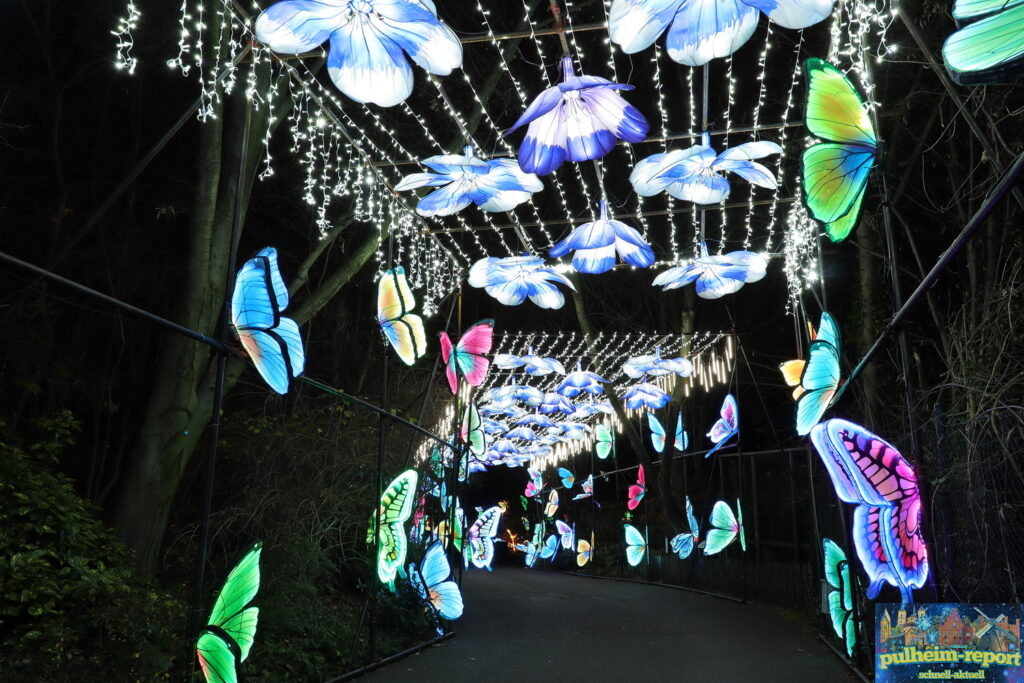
{"points": [[636, 491], [239, 589], [550, 548], [403, 328], [657, 433], [217, 659], [739, 525], [682, 545], [469, 353], [552, 505], [836, 172], [692, 520], [636, 545], [565, 533], [604, 441], [397, 501], [272, 342], [724, 528], [568, 478], [473, 432], [726, 426], [867, 470], [582, 552], [448, 356], [819, 381], [682, 440], [989, 50]]}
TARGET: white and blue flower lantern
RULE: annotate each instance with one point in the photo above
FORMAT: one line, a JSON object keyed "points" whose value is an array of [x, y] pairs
{"points": [[595, 245], [580, 382], [702, 30], [514, 279], [579, 119], [656, 366], [493, 185], [575, 430], [645, 395], [556, 403], [536, 419], [522, 433], [697, 174], [371, 42], [492, 426], [716, 275]]}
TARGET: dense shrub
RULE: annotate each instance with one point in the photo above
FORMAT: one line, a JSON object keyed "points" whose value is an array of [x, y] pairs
{"points": [[71, 606]]}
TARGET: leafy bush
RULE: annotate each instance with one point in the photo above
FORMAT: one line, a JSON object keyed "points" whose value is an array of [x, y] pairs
{"points": [[71, 606]]}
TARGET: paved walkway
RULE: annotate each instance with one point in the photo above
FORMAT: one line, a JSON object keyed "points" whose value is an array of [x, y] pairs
{"points": [[522, 625]]}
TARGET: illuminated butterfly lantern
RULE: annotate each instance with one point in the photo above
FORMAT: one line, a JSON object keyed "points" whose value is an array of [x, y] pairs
{"points": [[636, 545], [395, 508], [552, 505], [568, 478], [530, 551], [638, 490], [818, 376], [684, 543], [481, 539], [271, 340], [698, 31], [840, 594], [457, 529], [836, 171], [402, 328], [681, 440], [989, 46], [725, 528], [566, 534], [869, 472], [584, 550], [549, 550], [466, 360], [581, 118], [472, 434], [432, 583], [370, 41], [605, 441], [536, 483], [225, 641], [588, 489], [727, 426]]}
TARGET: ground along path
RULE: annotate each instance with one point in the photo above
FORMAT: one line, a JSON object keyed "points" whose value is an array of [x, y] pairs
{"points": [[522, 625]]}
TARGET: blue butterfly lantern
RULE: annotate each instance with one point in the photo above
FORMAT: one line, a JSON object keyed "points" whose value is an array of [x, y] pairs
{"points": [[697, 174], [716, 275], [580, 382], [514, 279], [272, 341], [579, 119], [699, 30], [370, 41], [596, 244], [493, 185]]}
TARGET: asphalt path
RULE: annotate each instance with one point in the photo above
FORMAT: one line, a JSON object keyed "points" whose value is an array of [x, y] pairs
{"points": [[527, 625]]}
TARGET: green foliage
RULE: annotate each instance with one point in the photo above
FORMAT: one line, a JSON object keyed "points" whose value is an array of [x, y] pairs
{"points": [[71, 607]]}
